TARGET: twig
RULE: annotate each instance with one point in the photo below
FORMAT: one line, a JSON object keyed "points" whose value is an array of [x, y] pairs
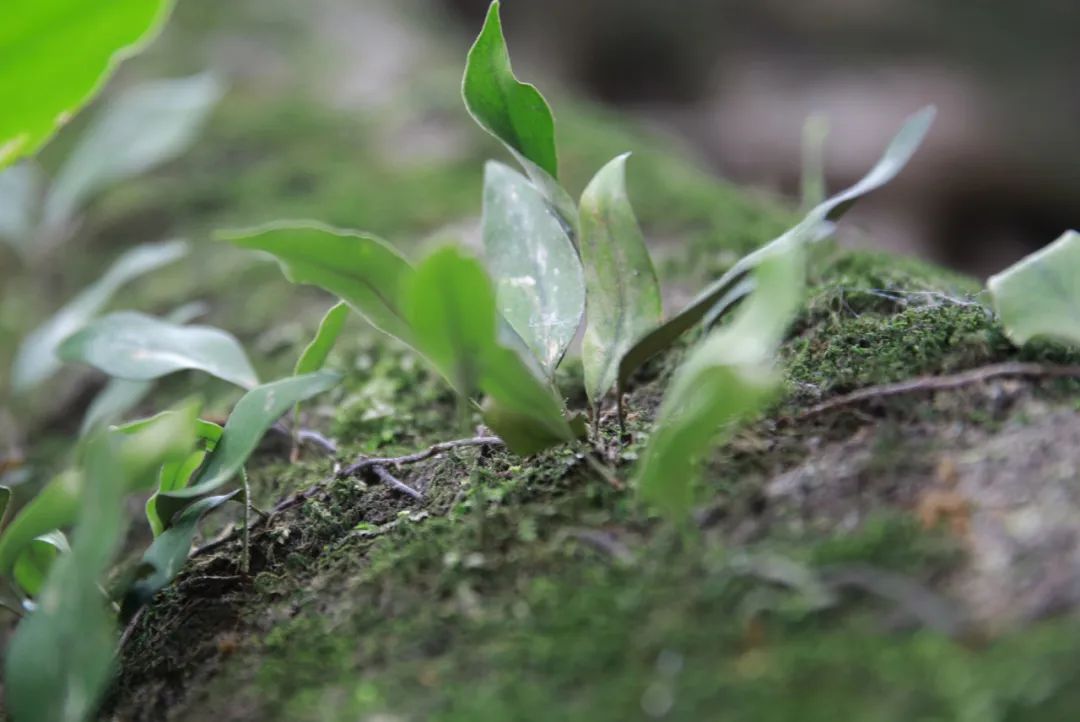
{"points": [[924, 384], [365, 464], [390, 480], [314, 438]]}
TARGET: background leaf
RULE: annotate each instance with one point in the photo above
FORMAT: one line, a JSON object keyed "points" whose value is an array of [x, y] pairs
{"points": [[54, 507], [314, 355], [814, 226], [363, 270], [1040, 294], [251, 417], [143, 126], [451, 305], [131, 345], [36, 359], [20, 196], [538, 276], [36, 559], [623, 294], [725, 378], [50, 69]]}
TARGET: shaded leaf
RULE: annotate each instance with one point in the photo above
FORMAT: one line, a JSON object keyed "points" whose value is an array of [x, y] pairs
{"points": [[122, 395], [314, 355], [814, 226], [451, 305], [20, 190], [621, 286], [50, 69], [143, 126], [178, 474], [5, 500], [362, 270], [36, 359], [61, 657], [132, 345], [726, 378], [166, 556], [538, 276], [251, 417], [1039, 296], [33, 563]]}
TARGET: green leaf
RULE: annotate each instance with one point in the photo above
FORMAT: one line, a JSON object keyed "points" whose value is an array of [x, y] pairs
{"points": [[537, 272], [1039, 296], [36, 359], [314, 355], [166, 556], [251, 417], [122, 395], [364, 271], [20, 191], [512, 111], [36, 559], [451, 306], [621, 286], [813, 227], [142, 127], [131, 345], [726, 378], [56, 54], [178, 474], [61, 656], [53, 507]]}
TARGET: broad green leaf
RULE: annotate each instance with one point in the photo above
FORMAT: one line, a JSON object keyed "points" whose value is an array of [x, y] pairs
{"points": [[814, 226], [132, 345], [1039, 296], [36, 359], [20, 191], [450, 304], [33, 564], [251, 417], [178, 474], [166, 556], [621, 286], [728, 377], [140, 128], [512, 111], [364, 271], [537, 272], [53, 507], [314, 355], [56, 54], [61, 656]]}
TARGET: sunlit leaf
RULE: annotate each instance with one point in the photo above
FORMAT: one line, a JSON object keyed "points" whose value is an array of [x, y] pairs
{"points": [[20, 190], [36, 359], [451, 305], [131, 345], [166, 556], [61, 657], [537, 272], [54, 507], [143, 126], [362, 270], [33, 563], [727, 377], [1039, 296], [814, 226], [122, 395], [622, 290], [251, 417], [56, 54]]}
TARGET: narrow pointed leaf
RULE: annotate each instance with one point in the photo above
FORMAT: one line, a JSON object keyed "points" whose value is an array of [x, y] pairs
{"points": [[178, 474], [140, 128], [131, 345], [36, 359], [33, 564], [621, 286], [364, 271], [812, 227], [314, 355], [512, 111], [537, 272], [251, 417], [54, 57], [1040, 295], [727, 377], [166, 556], [451, 305]]}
